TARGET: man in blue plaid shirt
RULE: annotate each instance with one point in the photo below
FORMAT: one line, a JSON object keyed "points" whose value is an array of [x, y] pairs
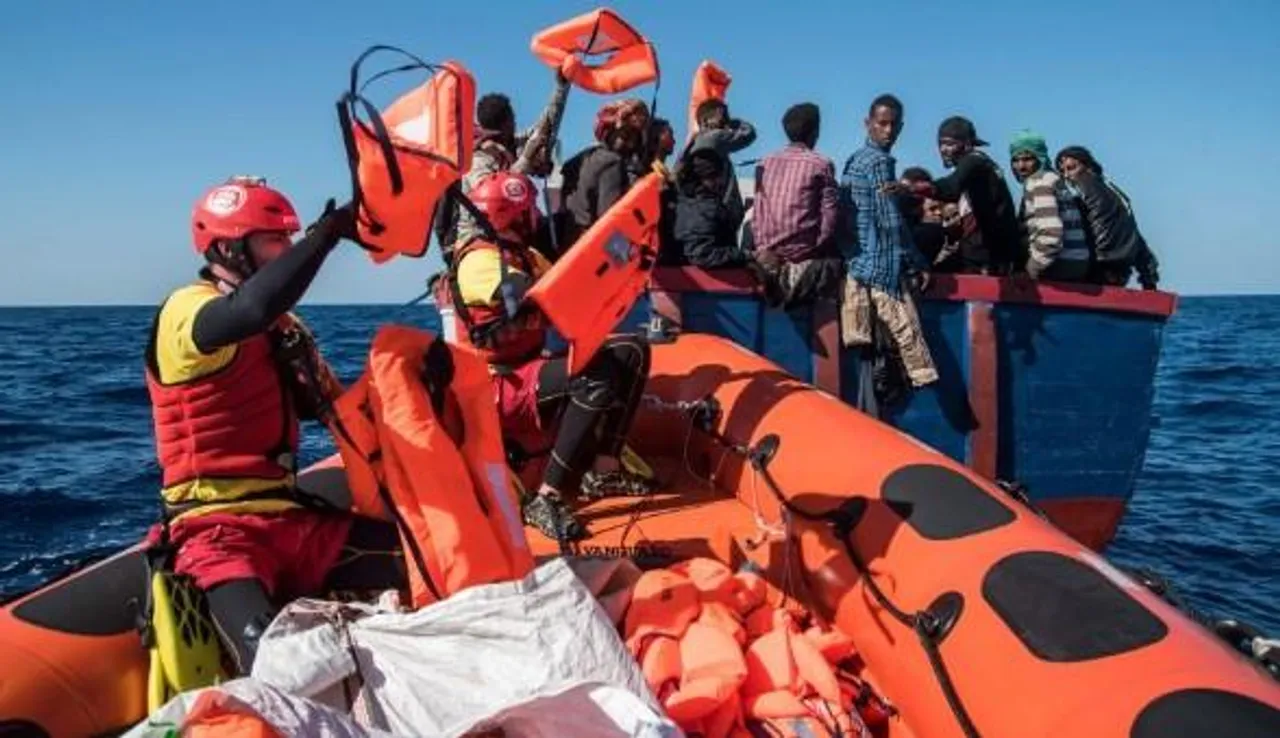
{"points": [[878, 248]]}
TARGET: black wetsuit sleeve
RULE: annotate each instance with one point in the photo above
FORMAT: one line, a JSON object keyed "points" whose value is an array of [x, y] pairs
{"points": [[952, 186], [270, 293]]}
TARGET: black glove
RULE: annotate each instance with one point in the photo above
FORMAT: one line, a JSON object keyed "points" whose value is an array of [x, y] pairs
{"points": [[335, 223], [341, 219]]}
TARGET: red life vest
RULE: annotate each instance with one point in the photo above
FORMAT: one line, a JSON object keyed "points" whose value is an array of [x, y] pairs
{"points": [[236, 423], [515, 349]]}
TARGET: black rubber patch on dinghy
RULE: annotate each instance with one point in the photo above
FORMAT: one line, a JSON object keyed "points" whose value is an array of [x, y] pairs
{"points": [[941, 504], [21, 729], [1064, 610], [1196, 713], [96, 601]]}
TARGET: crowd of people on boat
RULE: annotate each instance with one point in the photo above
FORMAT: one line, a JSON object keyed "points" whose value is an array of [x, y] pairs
{"points": [[231, 371], [870, 239]]}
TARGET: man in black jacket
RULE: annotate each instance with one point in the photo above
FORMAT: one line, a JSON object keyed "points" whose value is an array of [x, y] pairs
{"points": [[1109, 220], [990, 241], [708, 208]]}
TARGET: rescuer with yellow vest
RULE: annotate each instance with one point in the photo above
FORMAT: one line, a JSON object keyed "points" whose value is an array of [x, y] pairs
{"points": [[580, 421], [230, 372]]}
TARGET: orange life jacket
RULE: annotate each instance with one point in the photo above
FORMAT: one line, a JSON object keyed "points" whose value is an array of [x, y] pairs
{"points": [[710, 82], [214, 715], [596, 282], [236, 423], [516, 348], [427, 453], [404, 159], [633, 61], [717, 674]]}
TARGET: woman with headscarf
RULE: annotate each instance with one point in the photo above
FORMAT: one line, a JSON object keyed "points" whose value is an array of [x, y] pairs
{"points": [[1054, 245]]}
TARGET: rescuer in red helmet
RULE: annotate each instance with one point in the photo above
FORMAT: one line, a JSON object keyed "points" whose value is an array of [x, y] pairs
{"points": [[230, 372], [578, 423]]}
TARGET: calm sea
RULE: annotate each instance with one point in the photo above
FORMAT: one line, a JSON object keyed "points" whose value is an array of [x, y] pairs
{"points": [[78, 474]]}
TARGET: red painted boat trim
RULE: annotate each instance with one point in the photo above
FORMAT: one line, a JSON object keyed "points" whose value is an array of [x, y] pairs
{"points": [[693, 279], [1092, 521], [826, 346], [953, 288], [984, 397], [976, 288]]}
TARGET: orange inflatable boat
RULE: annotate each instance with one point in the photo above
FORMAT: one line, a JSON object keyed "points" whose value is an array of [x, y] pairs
{"points": [[963, 612]]}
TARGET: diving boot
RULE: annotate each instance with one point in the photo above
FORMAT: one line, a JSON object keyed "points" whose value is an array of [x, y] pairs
{"points": [[552, 517], [617, 483]]}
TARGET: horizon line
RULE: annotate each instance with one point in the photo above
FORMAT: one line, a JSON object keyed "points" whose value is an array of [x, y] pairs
{"points": [[56, 306]]}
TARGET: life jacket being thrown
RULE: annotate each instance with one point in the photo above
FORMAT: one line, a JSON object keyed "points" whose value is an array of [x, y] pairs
{"points": [[404, 159], [710, 82], [632, 60], [420, 440], [597, 281]]}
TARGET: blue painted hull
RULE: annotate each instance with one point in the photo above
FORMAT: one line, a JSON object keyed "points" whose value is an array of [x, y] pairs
{"points": [[1049, 386]]}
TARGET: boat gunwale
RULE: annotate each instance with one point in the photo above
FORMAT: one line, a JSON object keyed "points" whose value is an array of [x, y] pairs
{"points": [[953, 288]]}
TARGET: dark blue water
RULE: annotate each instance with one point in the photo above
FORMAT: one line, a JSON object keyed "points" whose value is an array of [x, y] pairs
{"points": [[78, 474]]}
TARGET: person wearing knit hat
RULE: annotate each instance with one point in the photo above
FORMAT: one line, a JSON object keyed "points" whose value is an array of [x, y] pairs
{"points": [[1053, 235], [988, 222], [1108, 213]]}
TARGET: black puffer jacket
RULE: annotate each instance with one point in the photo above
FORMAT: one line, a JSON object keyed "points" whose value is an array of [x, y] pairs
{"points": [[707, 213], [1112, 228]]}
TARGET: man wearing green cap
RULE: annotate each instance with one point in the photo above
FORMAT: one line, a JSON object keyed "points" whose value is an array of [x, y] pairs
{"points": [[1053, 235]]}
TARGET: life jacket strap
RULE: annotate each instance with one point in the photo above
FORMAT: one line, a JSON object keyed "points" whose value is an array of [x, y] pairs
{"points": [[283, 493]]}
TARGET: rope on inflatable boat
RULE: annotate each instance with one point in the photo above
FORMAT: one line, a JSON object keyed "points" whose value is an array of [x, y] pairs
{"points": [[928, 626]]}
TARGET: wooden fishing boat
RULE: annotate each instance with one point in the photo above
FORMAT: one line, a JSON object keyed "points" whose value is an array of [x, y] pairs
{"points": [[1046, 385]]}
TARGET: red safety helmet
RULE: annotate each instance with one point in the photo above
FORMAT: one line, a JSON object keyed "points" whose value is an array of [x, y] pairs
{"points": [[241, 206], [507, 199]]}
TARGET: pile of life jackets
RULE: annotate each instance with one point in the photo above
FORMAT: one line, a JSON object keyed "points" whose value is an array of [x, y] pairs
{"points": [[723, 661]]}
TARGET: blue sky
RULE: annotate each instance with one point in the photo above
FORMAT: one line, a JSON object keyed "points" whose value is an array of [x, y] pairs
{"points": [[117, 114]]}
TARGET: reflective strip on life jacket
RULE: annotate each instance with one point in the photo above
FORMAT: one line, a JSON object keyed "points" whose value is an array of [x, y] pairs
{"points": [[445, 484], [710, 82], [403, 159], [596, 282], [632, 60]]}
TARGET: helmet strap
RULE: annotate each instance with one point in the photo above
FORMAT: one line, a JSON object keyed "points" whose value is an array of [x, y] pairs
{"points": [[235, 257]]}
